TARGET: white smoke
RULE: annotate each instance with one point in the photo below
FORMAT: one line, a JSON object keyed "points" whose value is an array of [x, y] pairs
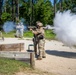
{"points": [[65, 27]]}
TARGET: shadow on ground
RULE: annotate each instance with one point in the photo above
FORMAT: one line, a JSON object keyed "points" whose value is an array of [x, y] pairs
{"points": [[62, 53]]}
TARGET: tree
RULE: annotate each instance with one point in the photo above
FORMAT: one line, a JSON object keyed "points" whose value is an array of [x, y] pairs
{"points": [[1, 3], [13, 10], [43, 14], [61, 8], [74, 6], [30, 10], [54, 7], [64, 5], [17, 9], [25, 11]]}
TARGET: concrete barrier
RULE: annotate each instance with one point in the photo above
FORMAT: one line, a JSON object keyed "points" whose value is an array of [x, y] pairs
{"points": [[22, 56]]}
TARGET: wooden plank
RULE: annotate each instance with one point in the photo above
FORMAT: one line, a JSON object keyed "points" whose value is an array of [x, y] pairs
{"points": [[12, 47]]}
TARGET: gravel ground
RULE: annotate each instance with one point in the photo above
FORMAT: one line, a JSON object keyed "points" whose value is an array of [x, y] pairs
{"points": [[60, 59]]}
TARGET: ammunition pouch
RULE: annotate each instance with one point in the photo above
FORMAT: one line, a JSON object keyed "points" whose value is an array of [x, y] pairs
{"points": [[40, 37]]}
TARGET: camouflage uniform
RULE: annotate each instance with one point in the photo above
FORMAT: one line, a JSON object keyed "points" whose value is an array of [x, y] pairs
{"points": [[41, 40], [19, 28]]}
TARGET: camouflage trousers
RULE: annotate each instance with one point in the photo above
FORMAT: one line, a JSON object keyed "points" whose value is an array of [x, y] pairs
{"points": [[41, 48]]}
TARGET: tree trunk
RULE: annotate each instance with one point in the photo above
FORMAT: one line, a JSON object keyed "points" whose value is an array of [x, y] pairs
{"points": [[31, 13], [54, 7], [61, 9], [13, 10], [17, 9], [1, 3]]}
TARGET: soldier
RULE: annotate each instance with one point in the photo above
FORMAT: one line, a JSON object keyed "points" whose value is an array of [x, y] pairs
{"points": [[21, 29], [17, 30], [39, 40]]}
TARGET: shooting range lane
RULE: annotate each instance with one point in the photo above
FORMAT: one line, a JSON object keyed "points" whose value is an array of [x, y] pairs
{"points": [[60, 59]]}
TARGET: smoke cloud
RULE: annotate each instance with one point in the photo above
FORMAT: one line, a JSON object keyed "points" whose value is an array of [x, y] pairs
{"points": [[65, 27], [8, 26], [11, 26]]}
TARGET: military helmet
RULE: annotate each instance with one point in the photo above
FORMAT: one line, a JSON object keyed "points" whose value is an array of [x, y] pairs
{"points": [[39, 24]]}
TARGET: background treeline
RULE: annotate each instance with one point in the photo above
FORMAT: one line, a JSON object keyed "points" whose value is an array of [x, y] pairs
{"points": [[33, 10]]}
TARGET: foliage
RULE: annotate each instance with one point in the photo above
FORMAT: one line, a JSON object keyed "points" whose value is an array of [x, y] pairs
{"points": [[34, 10], [6, 16], [37, 11], [67, 5], [25, 11], [74, 6], [43, 14]]}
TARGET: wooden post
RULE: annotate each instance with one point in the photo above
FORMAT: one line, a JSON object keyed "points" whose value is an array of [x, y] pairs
{"points": [[32, 60], [20, 46]]}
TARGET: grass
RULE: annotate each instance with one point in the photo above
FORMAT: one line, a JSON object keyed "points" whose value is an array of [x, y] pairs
{"points": [[28, 34], [48, 34], [9, 67], [10, 34]]}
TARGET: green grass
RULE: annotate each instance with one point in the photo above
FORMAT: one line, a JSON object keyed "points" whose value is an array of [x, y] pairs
{"points": [[48, 34], [9, 67], [10, 34], [28, 34]]}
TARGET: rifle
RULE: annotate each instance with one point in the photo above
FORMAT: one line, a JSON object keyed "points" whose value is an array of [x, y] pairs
{"points": [[32, 27]]}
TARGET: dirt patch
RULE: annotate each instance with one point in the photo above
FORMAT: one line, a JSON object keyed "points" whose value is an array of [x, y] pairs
{"points": [[60, 59]]}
